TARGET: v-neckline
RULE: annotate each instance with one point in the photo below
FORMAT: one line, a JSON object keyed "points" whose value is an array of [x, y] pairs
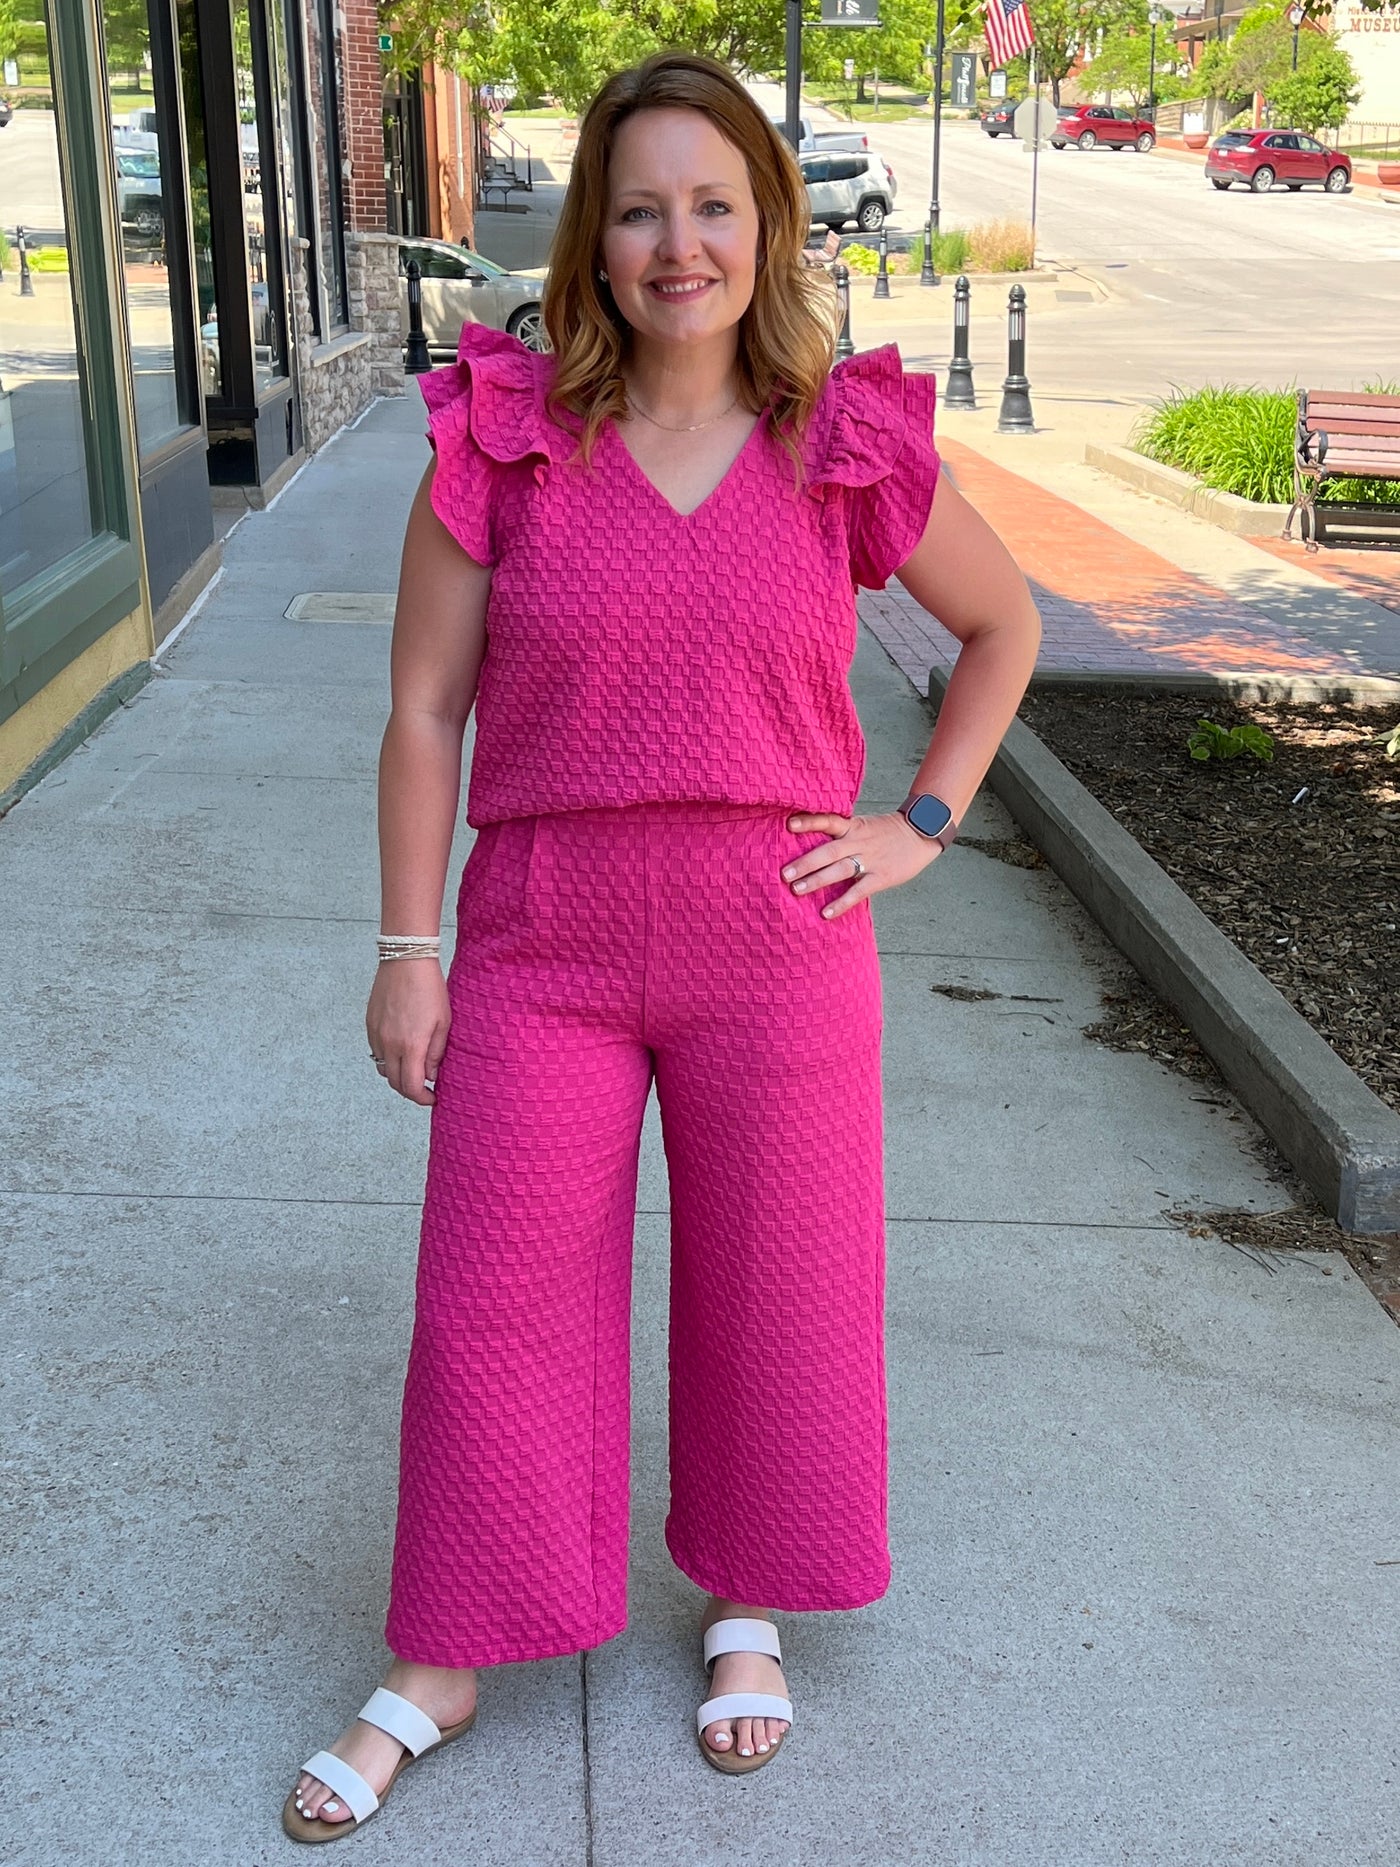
{"points": [[730, 471]]}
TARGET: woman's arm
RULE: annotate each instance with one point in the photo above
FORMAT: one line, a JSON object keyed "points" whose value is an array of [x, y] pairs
{"points": [[963, 575], [438, 644]]}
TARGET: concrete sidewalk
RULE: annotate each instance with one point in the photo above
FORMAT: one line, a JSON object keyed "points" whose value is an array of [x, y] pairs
{"points": [[1143, 1487]]}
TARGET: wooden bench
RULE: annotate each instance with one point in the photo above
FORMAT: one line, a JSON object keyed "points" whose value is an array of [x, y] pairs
{"points": [[1343, 434]]}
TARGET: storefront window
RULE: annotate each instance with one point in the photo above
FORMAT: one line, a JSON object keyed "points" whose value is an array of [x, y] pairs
{"points": [[211, 367], [150, 204], [258, 144], [46, 508], [324, 57]]}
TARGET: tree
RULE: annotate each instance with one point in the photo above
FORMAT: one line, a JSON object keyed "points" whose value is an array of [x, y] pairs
{"points": [[1066, 29], [1319, 94], [1260, 58], [1124, 63]]}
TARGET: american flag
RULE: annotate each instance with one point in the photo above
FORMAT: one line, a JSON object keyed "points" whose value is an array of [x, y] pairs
{"points": [[1009, 30]]}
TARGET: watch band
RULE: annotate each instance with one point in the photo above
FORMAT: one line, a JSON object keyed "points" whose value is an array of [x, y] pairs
{"points": [[938, 825]]}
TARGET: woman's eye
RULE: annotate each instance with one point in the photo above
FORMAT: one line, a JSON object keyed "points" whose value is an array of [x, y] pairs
{"points": [[632, 212]]}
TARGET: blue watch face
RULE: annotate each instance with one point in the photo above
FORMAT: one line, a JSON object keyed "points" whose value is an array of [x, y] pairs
{"points": [[929, 815]]}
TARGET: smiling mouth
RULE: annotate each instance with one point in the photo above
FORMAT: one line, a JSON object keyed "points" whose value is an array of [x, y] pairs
{"points": [[691, 288]]}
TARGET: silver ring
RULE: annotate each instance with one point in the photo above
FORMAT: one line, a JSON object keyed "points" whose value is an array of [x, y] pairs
{"points": [[859, 868], [376, 1061]]}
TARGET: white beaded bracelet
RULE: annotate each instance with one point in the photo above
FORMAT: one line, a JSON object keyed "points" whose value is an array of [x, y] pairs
{"points": [[409, 946]]}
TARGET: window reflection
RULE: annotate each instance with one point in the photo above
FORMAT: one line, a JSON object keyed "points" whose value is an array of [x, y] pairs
{"points": [[45, 503], [211, 367], [254, 137], [148, 203]]}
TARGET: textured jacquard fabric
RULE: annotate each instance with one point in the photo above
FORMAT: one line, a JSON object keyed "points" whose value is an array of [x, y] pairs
{"points": [[597, 951], [637, 654]]}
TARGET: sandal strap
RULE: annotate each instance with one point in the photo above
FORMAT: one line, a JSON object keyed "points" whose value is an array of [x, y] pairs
{"points": [[741, 1636], [744, 1705], [345, 1780], [413, 1728]]}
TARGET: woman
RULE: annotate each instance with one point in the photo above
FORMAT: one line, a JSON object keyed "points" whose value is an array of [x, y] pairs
{"points": [[637, 557]]}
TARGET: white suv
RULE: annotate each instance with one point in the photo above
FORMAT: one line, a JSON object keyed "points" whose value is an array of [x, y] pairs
{"points": [[844, 187]]}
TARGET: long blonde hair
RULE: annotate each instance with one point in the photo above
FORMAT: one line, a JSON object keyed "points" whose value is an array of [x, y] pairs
{"points": [[787, 334]]}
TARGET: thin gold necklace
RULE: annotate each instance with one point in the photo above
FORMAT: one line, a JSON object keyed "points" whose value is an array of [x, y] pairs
{"points": [[692, 428]]}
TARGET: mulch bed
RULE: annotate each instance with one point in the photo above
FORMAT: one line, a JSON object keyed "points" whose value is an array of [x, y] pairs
{"points": [[1297, 860]]}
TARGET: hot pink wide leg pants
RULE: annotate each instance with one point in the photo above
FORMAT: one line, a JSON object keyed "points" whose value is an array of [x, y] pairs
{"points": [[595, 948]]}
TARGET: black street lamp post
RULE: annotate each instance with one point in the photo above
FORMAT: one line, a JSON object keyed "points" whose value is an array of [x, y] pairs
{"points": [[928, 274], [1295, 19]]}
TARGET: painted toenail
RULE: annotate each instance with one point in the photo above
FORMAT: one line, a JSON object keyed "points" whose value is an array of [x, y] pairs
{"points": [[761, 1749], [310, 1814], [331, 1807], [743, 1752]]}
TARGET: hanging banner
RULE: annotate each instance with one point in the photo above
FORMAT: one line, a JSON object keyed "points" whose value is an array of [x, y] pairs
{"points": [[850, 13], [964, 80]]}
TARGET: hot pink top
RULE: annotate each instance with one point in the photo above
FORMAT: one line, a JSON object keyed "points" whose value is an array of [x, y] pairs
{"points": [[637, 654]]}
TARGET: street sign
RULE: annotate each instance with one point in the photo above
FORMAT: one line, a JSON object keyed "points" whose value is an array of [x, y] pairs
{"points": [[848, 69], [1035, 118], [386, 42], [996, 84], [850, 12], [964, 80]]}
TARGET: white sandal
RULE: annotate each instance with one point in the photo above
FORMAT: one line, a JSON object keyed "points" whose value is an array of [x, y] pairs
{"points": [[402, 1720], [741, 1636]]}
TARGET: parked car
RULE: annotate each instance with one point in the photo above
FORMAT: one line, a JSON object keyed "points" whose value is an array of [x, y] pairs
{"points": [[1088, 125], [138, 189], [460, 287], [1000, 119], [5, 112], [1259, 158], [844, 187], [811, 140]]}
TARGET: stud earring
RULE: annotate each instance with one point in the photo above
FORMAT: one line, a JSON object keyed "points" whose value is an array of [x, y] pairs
{"points": [[602, 275]]}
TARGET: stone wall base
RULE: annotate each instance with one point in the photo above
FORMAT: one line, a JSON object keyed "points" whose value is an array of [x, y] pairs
{"points": [[338, 379]]}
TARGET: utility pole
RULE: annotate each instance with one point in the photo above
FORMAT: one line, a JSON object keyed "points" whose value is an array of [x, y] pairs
{"points": [[793, 60], [928, 272]]}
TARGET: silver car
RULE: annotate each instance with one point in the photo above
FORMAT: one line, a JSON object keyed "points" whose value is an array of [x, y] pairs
{"points": [[460, 287], [841, 188]]}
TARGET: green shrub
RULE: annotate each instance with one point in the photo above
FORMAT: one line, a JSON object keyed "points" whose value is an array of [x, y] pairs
{"points": [[1241, 441]]}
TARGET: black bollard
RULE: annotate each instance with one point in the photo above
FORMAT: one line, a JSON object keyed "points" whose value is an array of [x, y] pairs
{"points": [[1016, 416], [417, 360], [882, 277], [959, 392], [842, 274], [26, 283], [927, 274]]}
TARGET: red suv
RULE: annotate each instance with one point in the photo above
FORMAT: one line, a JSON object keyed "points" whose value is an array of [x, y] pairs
{"points": [[1087, 125], [1259, 158]]}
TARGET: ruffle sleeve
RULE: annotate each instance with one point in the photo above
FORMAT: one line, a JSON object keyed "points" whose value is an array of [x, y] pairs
{"points": [[486, 413], [876, 441]]}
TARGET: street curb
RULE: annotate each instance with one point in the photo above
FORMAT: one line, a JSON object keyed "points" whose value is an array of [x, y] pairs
{"points": [[1246, 518], [1343, 1140]]}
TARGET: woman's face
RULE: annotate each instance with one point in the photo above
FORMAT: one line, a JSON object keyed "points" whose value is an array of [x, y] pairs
{"points": [[680, 242]]}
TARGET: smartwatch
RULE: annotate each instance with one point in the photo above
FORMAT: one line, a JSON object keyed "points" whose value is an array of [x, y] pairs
{"points": [[931, 817]]}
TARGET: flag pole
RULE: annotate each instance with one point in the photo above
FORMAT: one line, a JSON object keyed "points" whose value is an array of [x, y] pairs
{"points": [[1035, 148]]}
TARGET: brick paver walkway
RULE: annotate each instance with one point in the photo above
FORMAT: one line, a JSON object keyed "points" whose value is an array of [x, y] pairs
{"points": [[1107, 603], [1374, 574]]}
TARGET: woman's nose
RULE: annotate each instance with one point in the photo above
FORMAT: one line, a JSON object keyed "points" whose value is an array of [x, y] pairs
{"points": [[679, 238]]}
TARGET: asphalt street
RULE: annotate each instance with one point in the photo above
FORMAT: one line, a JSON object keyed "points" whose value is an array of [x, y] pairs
{"points": [[1204, 287]]}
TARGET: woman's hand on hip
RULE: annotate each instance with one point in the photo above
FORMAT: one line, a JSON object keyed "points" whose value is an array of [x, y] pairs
{"points": [[407, 1024], [871, 853]]}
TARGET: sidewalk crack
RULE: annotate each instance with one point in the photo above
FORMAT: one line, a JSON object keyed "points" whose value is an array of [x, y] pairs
{"points": [[587, 1761]]}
